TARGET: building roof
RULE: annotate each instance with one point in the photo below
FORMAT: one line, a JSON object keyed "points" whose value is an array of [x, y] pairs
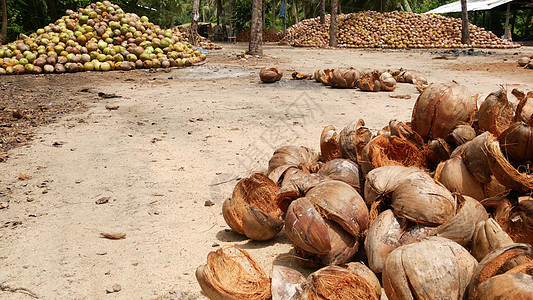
{"points": [[472, 5]]}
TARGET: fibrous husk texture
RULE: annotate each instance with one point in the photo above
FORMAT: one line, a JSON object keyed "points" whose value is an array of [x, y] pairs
{"points": [[287, 283], [337, 283], [488, 236], [231, 273], [343, 78], [461, 134], [353, 139], [506, 286], [300, 157], [269, 75], [370, 82], [413, 194], [328, 222], [343, 170], [496, 113], [517, 143], [251, 210], [524, 110], [386, 150], [440, 108], [434, 268], [329, 144], [388, 83], [498, 262]]}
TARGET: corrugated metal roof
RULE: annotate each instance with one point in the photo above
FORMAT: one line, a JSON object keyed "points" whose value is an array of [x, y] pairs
{"points": [[471, 5]]}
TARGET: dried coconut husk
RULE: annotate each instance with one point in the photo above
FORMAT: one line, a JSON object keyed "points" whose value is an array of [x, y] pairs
{"points": [[382, 237], [488, 236], [386, 151], [370, 82], [526, 268], [231, 273], [405, 132], [296, 188], [301, 76], [495, 113], [329, 144], [337, 283], [362, 270], [440, 108], [460, 228], [517, 143], [318, 73], [324, 75], [300, 157], [497, 262], [461, 134], [270, 75], [287, 283], [435, 151], [506, 286], [402, 76], [475, 158], [502, 169], [352, 140], [434, 268], [525, 210], [251, 210], [524, 110], [388, 83], [343, 170], [278, 174], [344, 78], [415, 233], [413, 194]]}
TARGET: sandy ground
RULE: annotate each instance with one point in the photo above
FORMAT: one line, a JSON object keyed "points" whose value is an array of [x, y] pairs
{"points": [[177, 140]]}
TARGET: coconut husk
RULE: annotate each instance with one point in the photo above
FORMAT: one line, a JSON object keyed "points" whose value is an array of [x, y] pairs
{"points": [[287, 283], [353, 138], [369, 82], [524, 110], [337, 283], [488, 236], [502, 169], [343, 78], [388, 83], [517, 143], [476, 159], [405, 132], [270, 75], [386, 151], [381, 182], [329, 144], [440, 108], [526, 268], [402, 76], [434, 268], [301, 76], [343, 170], [300, 157], [251, 210], [415, 233], [461, 134], [497, 262], [278, 174], [362, 270], [382, 237], [496, 113], [231, 273], [344, 246], [324, 75], [436, 150], [460, 228], [296, 188], [454, 175], [506, 286]]}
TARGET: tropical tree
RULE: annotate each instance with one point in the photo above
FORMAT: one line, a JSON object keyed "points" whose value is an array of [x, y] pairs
{"points": [[465, 33], [3, 31], [255, 46], [333, 24], [194, 21]]}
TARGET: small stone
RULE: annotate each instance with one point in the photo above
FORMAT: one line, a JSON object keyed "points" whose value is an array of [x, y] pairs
{"points": [[209, 203], [117, 287], [101, 253], [215, 244], [103, 200]]}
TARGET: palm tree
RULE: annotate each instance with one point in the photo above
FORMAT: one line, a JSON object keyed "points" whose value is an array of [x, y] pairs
{"points": [[3, 32], [333, 24], [255, 46], [465, 33]]}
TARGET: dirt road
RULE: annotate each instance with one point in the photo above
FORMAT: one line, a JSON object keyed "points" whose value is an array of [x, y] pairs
{"points": [[177, 140]]}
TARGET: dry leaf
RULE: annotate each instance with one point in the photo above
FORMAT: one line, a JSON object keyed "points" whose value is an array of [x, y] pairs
{"points": [[113, 236]]}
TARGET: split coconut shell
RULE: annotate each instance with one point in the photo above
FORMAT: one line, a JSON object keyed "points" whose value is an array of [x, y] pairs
{"points": [[270, 75], [488, 236], [343, 170], [495, 113], [329, 144], [300, 157], [517, 143], [353, 139], [370, 82], [344, 78], [287, 283], [506, 286]]}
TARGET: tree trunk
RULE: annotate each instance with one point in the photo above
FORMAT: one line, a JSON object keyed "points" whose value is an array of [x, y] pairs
{"points": [[263, 11], [256, 33], [51, 7], [465, 32], [295, 12], [406, 6], [322, 11], [3, 31], [333, 24], [305, 8], [194, 22], [273, 13]]}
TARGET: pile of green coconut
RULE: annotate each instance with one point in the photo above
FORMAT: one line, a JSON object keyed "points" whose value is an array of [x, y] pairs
{"points": [[100, 37]]}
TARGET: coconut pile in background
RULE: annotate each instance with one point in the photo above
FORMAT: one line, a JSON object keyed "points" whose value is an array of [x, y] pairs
{"points": [[392, 30], [100, 37], [269, 35], [203, 42]]}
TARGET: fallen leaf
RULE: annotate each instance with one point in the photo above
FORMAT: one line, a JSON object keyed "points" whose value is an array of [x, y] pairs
{"points": [[113, 236]]}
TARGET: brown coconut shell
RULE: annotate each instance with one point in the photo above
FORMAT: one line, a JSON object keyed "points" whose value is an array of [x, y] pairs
{"points": [[370, 82], [343, 170], [460, 228], [524, 110], [278, 174], [336, 283], [517, 143], [362, 270], [495, 113], [440, 108], [381, 182], [287, 283], [251, 210], [403, 76], [324, 75], [301, 76], [526, 268], [488, 236], [461, 134], [344, 78], [382, 237], [434, 268], [435, 151], [353, 138], [506, 286], [503, 170], [475, 158], [415, 233], [300, 157], [387, 151], [270, 75], [231, 273], [405, 132], [454, 175], [497, 262], [297, 187], [388, 83], [329, 144]]}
